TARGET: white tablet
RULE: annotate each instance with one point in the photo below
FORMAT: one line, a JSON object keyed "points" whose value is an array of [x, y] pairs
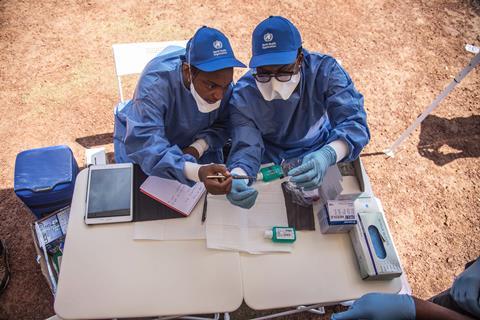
{"points": [[109, 193]]}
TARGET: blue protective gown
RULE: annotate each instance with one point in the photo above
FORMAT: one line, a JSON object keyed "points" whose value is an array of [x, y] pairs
{"points": [[324, 107], [162, 119]]}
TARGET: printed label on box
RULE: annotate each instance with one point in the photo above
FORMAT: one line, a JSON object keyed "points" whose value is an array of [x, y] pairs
{"points": [[340, 210]]}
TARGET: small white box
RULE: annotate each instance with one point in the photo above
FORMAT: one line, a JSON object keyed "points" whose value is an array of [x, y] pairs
{"points": [[353, 179], [95, 156], [345, 181], [338, 216]]}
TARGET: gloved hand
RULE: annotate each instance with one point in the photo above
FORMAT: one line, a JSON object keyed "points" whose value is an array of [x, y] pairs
{"points": [[380, 306], [241, 194], [466, 289], [310, 173]]}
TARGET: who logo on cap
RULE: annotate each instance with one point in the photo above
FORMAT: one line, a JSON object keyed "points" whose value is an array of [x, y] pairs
{"points": [[267, 37], [217, 44]]}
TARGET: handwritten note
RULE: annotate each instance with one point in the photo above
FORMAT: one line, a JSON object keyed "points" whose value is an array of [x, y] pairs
{"points": [[173, 194]]}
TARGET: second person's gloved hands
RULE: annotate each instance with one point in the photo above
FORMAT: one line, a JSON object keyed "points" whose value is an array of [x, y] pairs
{"points": [[310, 173], [380, 306], [466, 289], [241, 194]]}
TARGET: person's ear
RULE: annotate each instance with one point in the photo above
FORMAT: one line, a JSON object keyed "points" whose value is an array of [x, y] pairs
{"points": [[300, 58], [186, 74]]}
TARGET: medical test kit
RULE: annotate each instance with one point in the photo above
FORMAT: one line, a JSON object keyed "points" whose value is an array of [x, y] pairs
{"points": [[343, 209], [342, 185]]}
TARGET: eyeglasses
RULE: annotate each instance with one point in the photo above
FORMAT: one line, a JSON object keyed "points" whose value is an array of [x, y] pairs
{"points": [[282, 76], [266, 77]]}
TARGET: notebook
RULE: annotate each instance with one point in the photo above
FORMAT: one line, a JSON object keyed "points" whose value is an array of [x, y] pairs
{"points": [[173, 194], [146, 208]]}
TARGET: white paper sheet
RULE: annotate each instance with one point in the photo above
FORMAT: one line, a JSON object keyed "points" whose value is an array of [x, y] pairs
{"points": [[189, 228], [233, 228]]}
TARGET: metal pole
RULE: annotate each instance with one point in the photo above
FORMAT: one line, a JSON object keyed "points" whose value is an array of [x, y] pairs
{"points": [[462, 74], [120, 91], [285, 313]]}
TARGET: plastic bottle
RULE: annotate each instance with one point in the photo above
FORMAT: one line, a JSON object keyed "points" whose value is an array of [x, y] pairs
{"points": [[281, 234], [270, 173]]}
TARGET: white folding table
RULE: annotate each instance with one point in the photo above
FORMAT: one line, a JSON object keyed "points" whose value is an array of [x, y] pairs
{"points": [[322, 269], [107, 274]]}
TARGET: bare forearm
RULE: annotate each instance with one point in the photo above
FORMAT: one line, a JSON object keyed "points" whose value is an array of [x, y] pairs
{"points": [[427, 310]]}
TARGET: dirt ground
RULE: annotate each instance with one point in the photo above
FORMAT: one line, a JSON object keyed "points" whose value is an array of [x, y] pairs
{"points": [[57, 86]]}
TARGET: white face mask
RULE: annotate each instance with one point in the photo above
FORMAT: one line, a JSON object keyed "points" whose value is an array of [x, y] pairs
{"points": [[202, 105], [275, 89]]}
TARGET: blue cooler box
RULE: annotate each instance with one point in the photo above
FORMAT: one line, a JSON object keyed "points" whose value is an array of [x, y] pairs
{"points": [[45, 178]]}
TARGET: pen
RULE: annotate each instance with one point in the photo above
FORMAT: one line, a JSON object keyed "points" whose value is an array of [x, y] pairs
{"points": [[204, 213], [233, 177]]}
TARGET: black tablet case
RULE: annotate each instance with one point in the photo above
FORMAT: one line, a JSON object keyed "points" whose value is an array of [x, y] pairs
{"points": [[146, 208]]}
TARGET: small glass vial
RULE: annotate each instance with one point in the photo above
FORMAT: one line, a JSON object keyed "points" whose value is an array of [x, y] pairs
{"points": [[281, 234], [289, 164]]}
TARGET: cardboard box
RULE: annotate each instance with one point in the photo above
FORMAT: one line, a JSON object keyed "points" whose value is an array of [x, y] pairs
{"points": [[373, 247], [338, 216], [345, 181], [50, 231], [353, 180]]}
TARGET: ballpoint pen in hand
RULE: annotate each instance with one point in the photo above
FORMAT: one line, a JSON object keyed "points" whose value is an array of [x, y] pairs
{"points": [[233, 177]]}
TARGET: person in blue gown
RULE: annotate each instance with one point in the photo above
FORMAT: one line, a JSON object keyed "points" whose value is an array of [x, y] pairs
{"points": [[460, 302], [177, 122], [293, 103]]}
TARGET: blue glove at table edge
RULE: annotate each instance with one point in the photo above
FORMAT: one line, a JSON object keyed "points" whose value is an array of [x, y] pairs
{"points": [[466, 289], [380, 306]]}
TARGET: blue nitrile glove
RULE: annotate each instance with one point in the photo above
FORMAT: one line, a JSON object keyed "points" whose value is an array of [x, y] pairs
{"points": [[466, 289], [310, 173], [241, 194], [380, 306]]}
